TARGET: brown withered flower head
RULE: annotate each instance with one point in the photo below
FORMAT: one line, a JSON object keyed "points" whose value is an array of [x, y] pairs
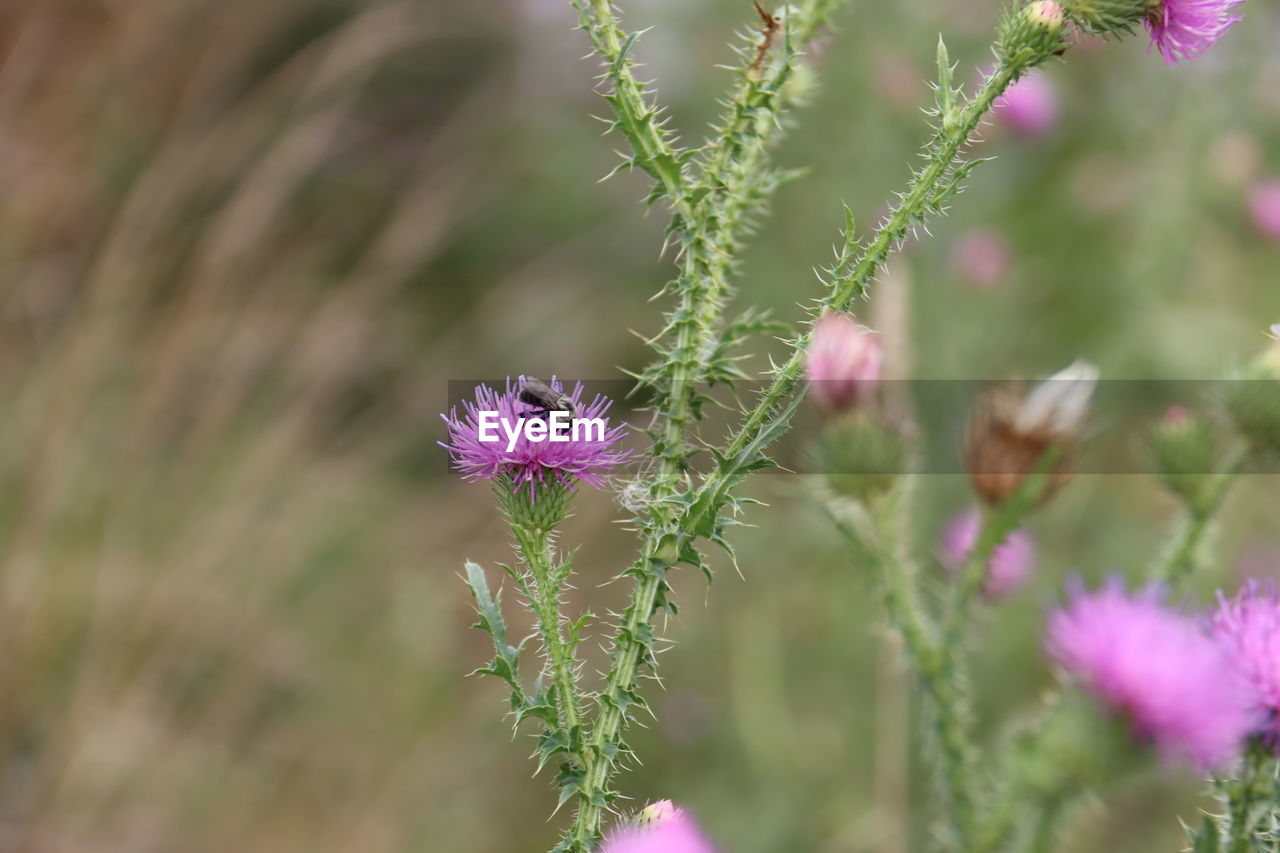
{"points": [[1012, 429]]}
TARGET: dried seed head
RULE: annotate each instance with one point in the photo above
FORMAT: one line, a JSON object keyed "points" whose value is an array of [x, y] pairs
{"points": [[1011, 430]]}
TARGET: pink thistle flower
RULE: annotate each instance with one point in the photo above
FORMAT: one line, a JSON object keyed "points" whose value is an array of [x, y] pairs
{"points": [[981, 257], [1011, 562], [1156, 666], [1247, 628], [1184, 29], [587, 457], [676, 832], [1264, 208], [843, 362], [1030, 106]]}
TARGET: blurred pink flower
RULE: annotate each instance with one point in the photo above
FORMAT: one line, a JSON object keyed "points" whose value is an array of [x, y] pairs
{"points": [[1157, 667], [1247, 627], [1184, 29], [1011, 562], [1264, 207], [843, 362], [981, 257], [1030, 106], [676, 832]]}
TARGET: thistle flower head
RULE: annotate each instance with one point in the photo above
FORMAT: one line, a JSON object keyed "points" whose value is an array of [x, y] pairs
{"points": [[480, 453], [843, 362], [1030, 106], [1012, 430], [1247, 628], [1157, 667], [1011, 562], [1184, 29], [1264, 208], [672, 831]]}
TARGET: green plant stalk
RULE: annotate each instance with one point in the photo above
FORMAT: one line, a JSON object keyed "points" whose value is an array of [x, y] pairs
{"points": [[535, 546], [929, 188], [1180, 560], [1257, 783], [635, 634], [604, 748], [915, 204], [709, 226], [711, 229], [944, 700], [637, 118]]}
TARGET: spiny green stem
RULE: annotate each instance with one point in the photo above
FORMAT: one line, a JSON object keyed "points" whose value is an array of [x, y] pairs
{"points": [[885, 548], [603, 749], [637, 118], [1180, 560], [848, 284], [710, 224], [710, 228], [536, 550], [1257, 783]]}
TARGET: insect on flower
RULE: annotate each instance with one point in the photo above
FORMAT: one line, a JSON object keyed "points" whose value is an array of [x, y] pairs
{"points": [[544, 398]]}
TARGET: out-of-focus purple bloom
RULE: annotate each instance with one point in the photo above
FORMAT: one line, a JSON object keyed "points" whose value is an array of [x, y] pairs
{"points": [[1247, 627], [1011, 562], [1184, 29], [1030, 106], [1158, 667], [676, 832], [981, 257], [843, 362], [1264, 208], [587, 457]]}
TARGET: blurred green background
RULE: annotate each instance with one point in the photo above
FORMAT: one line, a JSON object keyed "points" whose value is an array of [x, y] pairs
{"points": [[247, 243]]}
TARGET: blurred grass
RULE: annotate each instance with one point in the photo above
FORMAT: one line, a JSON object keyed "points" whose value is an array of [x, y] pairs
{"points": [[244, 246]]}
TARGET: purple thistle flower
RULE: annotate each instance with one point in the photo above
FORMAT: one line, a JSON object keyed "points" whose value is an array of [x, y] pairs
{"points": [[1011, 562], [1029, 106], [674, 831], [1247, 628], [1156, 666], [588, 456], [1184, 29]]}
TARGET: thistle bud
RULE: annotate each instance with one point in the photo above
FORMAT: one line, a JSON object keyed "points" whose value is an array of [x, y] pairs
{"points": [[1253, 399], [861, 456], [1012, 430], [1045, 14], [1184, 453], [1032, 34], [843, 362]]}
